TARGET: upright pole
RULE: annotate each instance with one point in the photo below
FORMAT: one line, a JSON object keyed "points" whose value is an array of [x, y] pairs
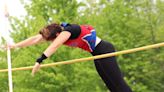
{"points": [[9, 70], [8, 50]]}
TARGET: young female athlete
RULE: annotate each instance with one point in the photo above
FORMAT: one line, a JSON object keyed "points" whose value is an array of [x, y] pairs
{"points": [[84, 37]]}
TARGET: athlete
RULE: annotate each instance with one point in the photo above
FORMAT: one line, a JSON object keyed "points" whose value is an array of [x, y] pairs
{"points": [[84, 37]]}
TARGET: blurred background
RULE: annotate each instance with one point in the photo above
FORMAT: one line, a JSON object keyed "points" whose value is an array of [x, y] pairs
{"points": [[125, 23]]}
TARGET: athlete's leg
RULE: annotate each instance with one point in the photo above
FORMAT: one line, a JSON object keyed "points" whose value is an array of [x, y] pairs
{"points": [[108, 69]]}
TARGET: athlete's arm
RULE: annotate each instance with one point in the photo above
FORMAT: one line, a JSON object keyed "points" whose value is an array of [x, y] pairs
{"points": [[30, 41], [61, 38]]}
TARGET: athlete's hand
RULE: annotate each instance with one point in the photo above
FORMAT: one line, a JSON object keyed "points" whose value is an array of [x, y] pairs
{"points": [[12, 46], [3, 47], [35, 68]]}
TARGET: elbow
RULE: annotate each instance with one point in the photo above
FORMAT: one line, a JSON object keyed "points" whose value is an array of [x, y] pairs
{"points": [[35, 40]]}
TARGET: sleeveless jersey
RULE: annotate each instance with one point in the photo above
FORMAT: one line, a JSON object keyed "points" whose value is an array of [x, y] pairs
{"points": [[86, 40]]}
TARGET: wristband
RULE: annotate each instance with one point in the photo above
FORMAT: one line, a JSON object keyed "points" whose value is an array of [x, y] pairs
{"points": [[40, 60]]}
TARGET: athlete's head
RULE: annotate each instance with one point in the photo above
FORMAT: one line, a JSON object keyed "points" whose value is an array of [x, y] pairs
{"points": [[50, 32]]}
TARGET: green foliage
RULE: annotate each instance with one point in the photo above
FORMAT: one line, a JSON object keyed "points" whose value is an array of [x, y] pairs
{"points": [[125, 23]]}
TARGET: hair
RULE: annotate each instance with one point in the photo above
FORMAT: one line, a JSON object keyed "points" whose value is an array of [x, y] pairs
{"points": [[50, 31]]}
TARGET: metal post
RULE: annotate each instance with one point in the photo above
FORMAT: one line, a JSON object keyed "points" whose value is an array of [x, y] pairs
{"points": [[9, 70], [6, 14]]}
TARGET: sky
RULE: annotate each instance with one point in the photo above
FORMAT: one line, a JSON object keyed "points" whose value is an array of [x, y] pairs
{"points": [[15, 8]]}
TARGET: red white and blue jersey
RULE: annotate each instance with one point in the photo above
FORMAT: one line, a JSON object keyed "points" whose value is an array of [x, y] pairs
{"points": [[86, 39]]}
